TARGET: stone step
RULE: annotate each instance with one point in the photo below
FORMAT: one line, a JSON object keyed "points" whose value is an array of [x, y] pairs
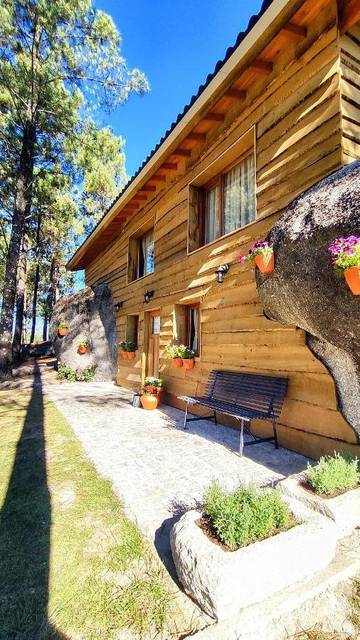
{"points": [[324, 600]]}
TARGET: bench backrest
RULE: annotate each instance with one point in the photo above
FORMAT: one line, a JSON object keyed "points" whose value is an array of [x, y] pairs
{"points": [[254, 391]]}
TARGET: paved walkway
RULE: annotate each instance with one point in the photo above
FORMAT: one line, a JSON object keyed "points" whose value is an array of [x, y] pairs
{"points": [[157, 468]]}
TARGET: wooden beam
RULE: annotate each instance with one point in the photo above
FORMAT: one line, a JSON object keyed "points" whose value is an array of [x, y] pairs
{"points": [[139, 197], [349, 14], [172, 166], [235, 93], [148, 187], [262, 66], [197, 137], [214, 117], [157, 179], [183, 153], [294, 30]]}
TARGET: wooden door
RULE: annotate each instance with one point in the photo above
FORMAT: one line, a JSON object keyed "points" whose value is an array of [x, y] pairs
{"points": [[153, 346]]}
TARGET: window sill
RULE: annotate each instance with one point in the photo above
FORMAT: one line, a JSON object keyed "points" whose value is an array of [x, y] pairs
{"points": [[226, 235], [141, 278]]}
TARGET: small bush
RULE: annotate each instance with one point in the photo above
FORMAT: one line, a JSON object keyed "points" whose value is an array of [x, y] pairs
{"points": [[68, 373], [245, 515], [333, 473]]}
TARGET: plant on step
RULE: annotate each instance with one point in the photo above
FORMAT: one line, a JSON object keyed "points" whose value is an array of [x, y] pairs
{"points": [[63, 328], [345, 259], [334, 473], [83, 344], [262, 254], [245, 515], [151, 393]]}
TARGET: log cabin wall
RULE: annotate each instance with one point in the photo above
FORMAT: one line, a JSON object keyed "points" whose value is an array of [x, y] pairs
{"points": [[297, 123], [350, 93]]}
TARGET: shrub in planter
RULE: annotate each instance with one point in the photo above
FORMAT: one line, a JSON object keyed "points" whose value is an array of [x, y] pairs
{"points": [[172, 352], [331, 487], [262, 254], [63, 329], [333, 474], [83, 345], [222, 580], [345, 258], [128, 349]]}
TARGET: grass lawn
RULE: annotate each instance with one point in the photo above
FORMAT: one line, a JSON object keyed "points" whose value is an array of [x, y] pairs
{"points": [[72, 566]]}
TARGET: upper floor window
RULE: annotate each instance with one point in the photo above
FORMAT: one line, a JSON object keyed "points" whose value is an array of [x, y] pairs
{"points": [[141, 255], [229, 200]]}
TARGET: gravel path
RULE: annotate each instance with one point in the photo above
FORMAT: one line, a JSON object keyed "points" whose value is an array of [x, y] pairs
{"points": [[157, 468]]}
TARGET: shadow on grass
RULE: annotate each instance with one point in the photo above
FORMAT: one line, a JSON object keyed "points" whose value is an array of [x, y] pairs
{"points": [[25, 523]]}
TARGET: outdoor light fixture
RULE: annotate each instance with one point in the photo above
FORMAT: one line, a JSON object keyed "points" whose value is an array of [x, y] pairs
{"points": [[118, 306], [220, 272], [148, 295]]}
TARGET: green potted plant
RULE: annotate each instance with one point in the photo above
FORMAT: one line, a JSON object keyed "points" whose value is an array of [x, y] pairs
{"points": [[187, 357], [151, 393], [83, 345], [172, 352], [345, 258], [262, 254], [63, 329], [128, 349]]}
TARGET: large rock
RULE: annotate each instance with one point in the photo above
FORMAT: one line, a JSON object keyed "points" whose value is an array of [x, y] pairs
{"points": [[90, 313], [305, 291]]}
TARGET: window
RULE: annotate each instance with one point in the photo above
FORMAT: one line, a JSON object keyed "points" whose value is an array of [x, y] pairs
{"points": [[141, 255], [192, 319], [132, 329], [229, 203], [186, 326], [226, 202]]}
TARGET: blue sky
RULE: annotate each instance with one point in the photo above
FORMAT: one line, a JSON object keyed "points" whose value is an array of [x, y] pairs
{"points": [[176, 44]]}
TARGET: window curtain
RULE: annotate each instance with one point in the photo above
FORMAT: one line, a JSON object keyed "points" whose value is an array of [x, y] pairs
{"points": [[239, 195], [147, 250], [212, 230]]}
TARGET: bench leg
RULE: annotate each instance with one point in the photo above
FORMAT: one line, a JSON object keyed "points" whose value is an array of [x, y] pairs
{"points": [[215, 419], [185, 417], [241, 447], [275, 434]]}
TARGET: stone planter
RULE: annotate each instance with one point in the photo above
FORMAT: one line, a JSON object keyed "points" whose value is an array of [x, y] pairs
{"points": [[224, 582], [344, 509]]}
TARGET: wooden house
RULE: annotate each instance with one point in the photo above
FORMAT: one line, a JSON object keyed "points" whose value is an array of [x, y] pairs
{"points": [[280, 112]]}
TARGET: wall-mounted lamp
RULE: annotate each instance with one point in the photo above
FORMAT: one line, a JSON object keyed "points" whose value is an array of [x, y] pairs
{"points": [[148, 295], [118, 306], [220, 273]]}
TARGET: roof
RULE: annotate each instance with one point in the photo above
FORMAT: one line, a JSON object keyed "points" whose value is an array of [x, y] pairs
{"points": [[75, 263]]}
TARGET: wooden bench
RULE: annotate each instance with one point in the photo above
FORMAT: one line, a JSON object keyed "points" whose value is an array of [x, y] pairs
{"points": [[243, 396]]}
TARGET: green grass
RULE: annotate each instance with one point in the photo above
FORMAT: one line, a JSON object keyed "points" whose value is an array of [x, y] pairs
{"points": [[72, 566]]}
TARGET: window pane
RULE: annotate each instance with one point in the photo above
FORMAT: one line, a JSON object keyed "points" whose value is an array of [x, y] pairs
{"points": [[239, 195], [146, 261], [193, 328], [155, 324], [212, 217]]}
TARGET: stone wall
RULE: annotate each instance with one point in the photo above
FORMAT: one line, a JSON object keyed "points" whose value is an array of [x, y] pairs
{"points": [[305, 291], [90, 313]]}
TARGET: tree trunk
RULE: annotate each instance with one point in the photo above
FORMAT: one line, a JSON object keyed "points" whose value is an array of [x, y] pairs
{"points": [[52, 291], [34, 302], [23, 192], [20, 301]]}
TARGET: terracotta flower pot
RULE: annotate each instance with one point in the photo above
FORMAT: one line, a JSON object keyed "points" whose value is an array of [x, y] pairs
{"points": [[149, 402], [188, 363], [352, 277], [82, 349], [131, 355], [123, 355], [266, 264], [63, 331], [177, 362]]}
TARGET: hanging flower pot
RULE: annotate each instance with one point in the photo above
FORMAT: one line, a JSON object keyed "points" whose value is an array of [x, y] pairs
{"points": [[149, 401], [352, 277], [63, 329], [265, 262], [345, 259], [83, 346], [262, 254]]}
